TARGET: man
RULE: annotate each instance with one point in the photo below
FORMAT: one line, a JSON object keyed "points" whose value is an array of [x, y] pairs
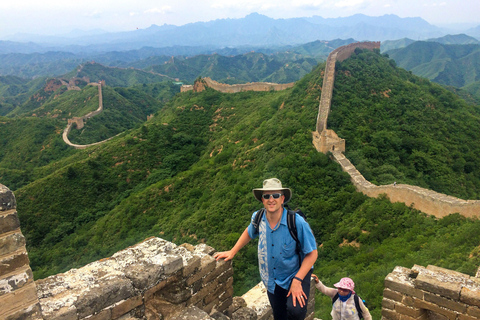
{"points": [[286, 275]]}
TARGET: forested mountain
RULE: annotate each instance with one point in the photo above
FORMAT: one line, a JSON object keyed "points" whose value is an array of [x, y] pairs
{"points": [[451, 65], [59, 63], [186, 175], [447, 39]]}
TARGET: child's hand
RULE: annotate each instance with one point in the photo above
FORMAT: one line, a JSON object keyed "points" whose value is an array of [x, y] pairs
{"points": [[315, 278]]}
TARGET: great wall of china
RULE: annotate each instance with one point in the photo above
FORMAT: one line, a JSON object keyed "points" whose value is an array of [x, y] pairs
{"points": [[159, 280], [79, 122]]}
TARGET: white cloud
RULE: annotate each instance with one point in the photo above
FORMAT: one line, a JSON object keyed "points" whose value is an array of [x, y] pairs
{"points": [[162, 10]]}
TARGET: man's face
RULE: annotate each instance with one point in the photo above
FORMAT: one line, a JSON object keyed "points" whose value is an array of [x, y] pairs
{"points": [[271, 204]]}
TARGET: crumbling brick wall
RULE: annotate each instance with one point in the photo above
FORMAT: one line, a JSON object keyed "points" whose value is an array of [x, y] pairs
{"points": [[430, 293]]}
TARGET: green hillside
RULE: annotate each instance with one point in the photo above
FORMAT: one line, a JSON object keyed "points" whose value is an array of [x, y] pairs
{"points": [[186, 175], [123, 109], [450, 65], [282, 67], [115, 77]]}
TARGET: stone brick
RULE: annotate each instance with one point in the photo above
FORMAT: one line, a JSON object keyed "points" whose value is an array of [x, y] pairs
{"points": [[237, 303], [175, 294], [192, 313], [439, 286], [161, 309], [470, 296], [446, 303], [61, 313], [192, 266], [393, 295], [9, 221], [105, 314], [433, 307], [200, 295], [102, 296], [25, 297], [466, 317], [244, 314], [125, 306], [403, 287], [388, 304], [214, 295], [16, 281], [473, 311], [224, 305], [7, 199], [452, 273], [10, 263], [11, 242], [408, 311], [389, 315], [31, 313], [159, 286], [220, 267], [207, 265]]}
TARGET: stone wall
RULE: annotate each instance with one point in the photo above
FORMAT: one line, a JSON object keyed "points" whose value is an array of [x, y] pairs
{"points": [[428, 201], [430, 293], [325, 140], [226, 88], [18, 293], [80, 121], [154, 279]]}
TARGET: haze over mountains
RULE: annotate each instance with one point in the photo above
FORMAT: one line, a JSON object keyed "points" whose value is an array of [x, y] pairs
{"points": [[252, 30]]}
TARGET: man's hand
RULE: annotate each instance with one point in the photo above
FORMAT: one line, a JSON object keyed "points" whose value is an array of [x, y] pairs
{"points": [[226, 255], [296, 291]]}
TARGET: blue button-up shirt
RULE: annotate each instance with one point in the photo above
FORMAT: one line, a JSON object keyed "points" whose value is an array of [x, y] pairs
{"points": [[278, 260]]}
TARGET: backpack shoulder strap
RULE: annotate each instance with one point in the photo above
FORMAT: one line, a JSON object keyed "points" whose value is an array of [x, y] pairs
{"points": [[292, 225], [357, 305], [257, 219], [335, 297]]}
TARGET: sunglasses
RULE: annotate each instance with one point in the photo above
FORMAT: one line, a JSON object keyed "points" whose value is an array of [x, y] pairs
{"points": [[274, 195]]}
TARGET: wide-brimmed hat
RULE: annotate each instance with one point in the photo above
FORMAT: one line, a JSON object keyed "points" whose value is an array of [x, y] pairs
{"points": [[272, 184], [345, 283]]}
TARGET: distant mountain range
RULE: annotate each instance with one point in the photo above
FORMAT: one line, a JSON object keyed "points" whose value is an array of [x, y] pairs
{"points": [[253, 30]]}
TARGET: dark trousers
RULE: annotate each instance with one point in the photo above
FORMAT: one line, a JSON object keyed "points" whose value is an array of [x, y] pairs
{"points": [[282, 306]]}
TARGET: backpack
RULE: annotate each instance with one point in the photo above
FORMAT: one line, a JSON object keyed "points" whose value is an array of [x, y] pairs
{"points": [[291, 223], [357, 304]]}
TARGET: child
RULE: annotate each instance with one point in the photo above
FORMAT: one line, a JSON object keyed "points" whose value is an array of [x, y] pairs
{"points": [[343, 307]]}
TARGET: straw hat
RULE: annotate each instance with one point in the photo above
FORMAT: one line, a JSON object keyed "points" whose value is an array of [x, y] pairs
{"points": [[272, 184]]}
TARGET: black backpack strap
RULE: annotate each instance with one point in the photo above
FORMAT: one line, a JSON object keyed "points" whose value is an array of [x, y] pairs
{"points": [[292, 225], [258, 218], [335, 297], [357, 305]]}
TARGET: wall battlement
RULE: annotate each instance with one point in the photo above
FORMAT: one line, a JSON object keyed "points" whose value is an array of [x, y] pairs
{"points": [[226, 88], [430, 293]]}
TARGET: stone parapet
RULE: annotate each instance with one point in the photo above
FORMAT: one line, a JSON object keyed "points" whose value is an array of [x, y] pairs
{"points": [[428, 201], [154, 279], [430, 293], [18, 295], [234, 88]]}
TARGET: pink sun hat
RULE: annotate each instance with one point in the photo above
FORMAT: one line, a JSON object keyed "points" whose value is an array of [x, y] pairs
{"points": [[345, 283]]}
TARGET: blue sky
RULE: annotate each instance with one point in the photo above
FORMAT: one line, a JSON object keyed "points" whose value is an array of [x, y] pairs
{"points": [[63, 16]]}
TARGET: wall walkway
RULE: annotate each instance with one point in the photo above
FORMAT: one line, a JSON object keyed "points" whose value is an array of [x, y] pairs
{"points": [[80, 121], [325, 140]]}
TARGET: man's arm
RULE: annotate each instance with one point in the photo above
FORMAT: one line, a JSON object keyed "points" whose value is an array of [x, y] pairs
{"points": [[296, 289], [241, 242]]}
